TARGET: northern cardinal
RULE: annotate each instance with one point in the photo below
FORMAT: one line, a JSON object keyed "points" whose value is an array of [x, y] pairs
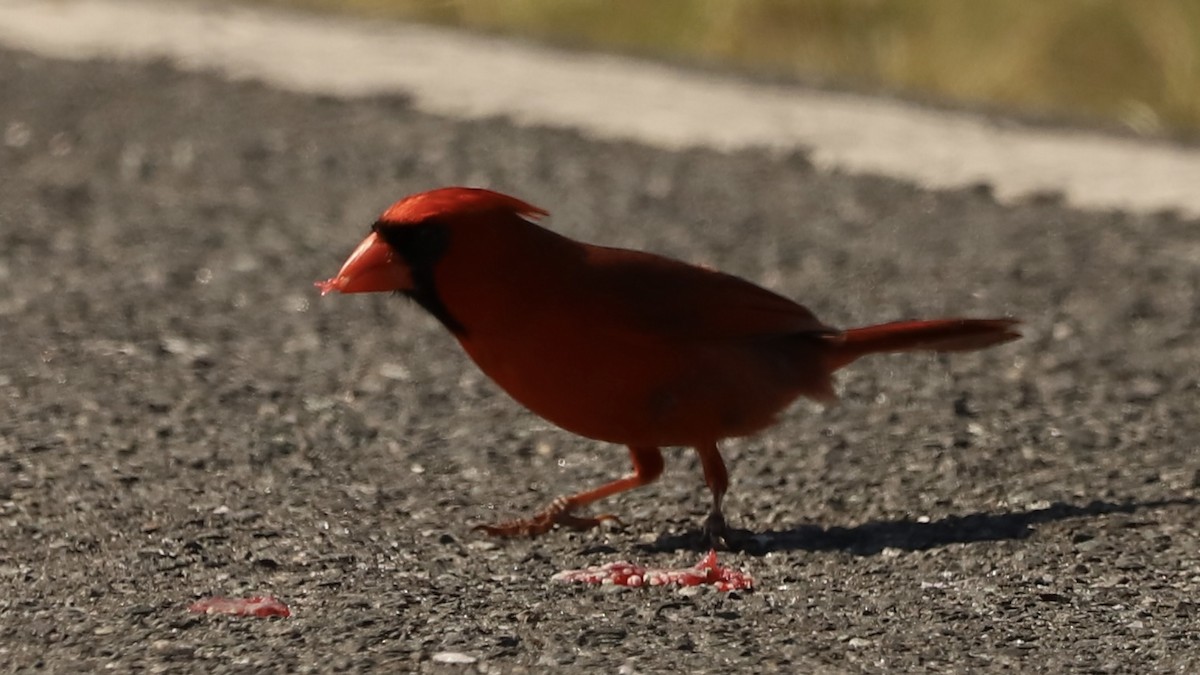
{"points": [[618, 345]]}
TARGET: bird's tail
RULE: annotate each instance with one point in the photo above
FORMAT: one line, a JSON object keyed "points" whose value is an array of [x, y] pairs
{"points": [[936, 335]]}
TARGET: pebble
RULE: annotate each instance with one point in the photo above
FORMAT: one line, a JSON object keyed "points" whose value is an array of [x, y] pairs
{"points": [[454, 657]]}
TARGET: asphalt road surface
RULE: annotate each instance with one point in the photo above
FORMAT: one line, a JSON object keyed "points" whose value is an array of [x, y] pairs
{"points": [[184, 416]]}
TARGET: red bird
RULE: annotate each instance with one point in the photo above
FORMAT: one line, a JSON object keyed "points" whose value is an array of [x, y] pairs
{"points": [[618, 345]]}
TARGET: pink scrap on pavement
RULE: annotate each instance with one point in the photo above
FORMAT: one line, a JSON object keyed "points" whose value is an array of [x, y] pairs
{"points": [[706, 572], [261, 606]]}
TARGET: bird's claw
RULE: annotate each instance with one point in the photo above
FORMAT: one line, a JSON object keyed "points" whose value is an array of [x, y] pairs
{"points": [[558, 513], [716, 531]]}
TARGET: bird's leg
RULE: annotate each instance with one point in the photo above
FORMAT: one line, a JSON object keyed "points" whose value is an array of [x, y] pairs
{"points": [[717, 479], [647, 466]]}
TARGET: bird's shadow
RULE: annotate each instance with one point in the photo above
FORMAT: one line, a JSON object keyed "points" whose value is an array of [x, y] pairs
{"points": [[909, 535]]}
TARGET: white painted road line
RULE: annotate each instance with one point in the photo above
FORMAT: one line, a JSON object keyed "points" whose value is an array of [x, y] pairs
{"points": [[462, 75]]}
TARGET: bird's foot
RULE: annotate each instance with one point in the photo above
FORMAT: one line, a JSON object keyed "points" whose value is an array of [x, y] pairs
{"points": [[719, 536], [715, 530], [558, 513]]}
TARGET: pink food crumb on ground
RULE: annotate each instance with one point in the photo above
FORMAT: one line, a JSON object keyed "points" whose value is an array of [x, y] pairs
{"points": [[707, 572], [261, 606]]}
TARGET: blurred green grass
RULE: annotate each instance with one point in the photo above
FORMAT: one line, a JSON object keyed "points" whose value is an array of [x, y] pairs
{"points": [[1132, 63]]}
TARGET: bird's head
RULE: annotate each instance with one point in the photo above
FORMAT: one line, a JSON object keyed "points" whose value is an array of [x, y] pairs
{"points": [[414, 233]]}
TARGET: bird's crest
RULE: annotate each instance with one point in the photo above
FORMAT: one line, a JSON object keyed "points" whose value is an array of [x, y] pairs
{"points": [[456, 201]]}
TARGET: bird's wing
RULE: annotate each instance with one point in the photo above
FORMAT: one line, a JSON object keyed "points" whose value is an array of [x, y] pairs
{"points": [[667, 297]]}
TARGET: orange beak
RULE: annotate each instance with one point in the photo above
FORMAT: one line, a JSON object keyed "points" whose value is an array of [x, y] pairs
{"points": [[373, 267]]}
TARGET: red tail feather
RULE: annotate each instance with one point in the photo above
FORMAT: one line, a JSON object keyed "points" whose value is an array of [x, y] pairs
{"points": [[936, 335]]}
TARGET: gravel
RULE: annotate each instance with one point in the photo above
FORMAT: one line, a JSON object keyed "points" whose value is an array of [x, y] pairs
{"points": [[186, 417]]}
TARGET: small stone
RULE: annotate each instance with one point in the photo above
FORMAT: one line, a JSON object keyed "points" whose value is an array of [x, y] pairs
{"points": [[453, 657], [858, 643], [395, 371]]}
